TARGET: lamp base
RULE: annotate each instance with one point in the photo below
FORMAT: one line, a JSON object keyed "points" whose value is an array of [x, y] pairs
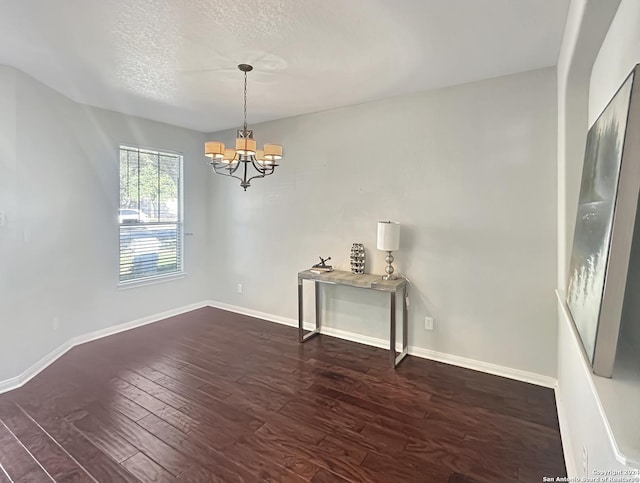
{"points": [[389, 268]]}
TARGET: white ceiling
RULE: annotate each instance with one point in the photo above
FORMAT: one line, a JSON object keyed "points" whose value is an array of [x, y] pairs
{"points": [[175, 60]]}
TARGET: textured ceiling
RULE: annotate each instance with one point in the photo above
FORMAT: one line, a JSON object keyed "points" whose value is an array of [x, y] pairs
{"points": [[175, 60]]}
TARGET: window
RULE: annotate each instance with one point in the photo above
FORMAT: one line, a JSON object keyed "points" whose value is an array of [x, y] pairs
{"points": [[150, 214]]}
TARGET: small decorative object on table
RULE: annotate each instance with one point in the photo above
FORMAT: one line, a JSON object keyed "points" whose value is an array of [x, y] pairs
{"points": [[322, 266], [357, 258]]}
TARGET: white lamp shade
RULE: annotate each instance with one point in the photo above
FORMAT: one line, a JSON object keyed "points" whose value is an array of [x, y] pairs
{"points": [[388, 236]]}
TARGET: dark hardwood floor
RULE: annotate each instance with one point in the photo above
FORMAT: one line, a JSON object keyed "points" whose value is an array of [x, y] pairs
{"points": [[215, 396]]}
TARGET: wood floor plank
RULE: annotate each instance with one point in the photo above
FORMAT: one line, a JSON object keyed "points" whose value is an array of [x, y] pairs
{"points": [[369, 388], [104, 436], [34, 477], [147, 470], [390, 439], [152, 405], [94, 461], [485, 467], [252, 399], [302, 459], [214, 411], [140, 439], [324, 476], [398, 470], [161, 368], [4, 476], [126, 406], [340, 449], [199, 474], [201, 449], [277, 457], [14, 457], [214, 396], [50, 456]]}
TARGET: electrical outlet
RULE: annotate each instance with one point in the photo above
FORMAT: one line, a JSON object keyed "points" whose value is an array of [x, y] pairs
{"points": [[428, 323], [239, 288], [585, 461], [56, 323]]}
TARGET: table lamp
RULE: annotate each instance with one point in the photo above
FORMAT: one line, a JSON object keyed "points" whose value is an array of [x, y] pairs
{"points": [[388, 240]]}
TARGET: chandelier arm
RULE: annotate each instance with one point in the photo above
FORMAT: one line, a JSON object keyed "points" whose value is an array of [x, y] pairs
{"points": [[238, 178], [220, 168], [270, 170], [265, 169], [257, 166], [230, 173], [255, 177], [242, 181], [262, 174]]}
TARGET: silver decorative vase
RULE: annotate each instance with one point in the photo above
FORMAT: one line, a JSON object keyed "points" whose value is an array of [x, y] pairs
{"points": [[357, 258]]}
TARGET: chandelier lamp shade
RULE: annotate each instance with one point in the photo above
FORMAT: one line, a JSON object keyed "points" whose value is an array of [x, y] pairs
{"points": [[244, 162]]}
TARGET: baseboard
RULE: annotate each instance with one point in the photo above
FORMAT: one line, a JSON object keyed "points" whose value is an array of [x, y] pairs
{"points": [[503, 371], [255, 313], [489, 368], [99, 334], [42, 364]]}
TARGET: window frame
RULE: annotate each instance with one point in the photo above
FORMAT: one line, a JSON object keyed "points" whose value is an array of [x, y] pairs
{"points": [[180, 261]]}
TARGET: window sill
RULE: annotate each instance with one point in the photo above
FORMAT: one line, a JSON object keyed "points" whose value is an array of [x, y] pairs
{"points": [[151, 281]]}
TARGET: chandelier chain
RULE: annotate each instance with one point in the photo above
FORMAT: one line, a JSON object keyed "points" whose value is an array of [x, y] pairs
{"points": [[245, 101]]}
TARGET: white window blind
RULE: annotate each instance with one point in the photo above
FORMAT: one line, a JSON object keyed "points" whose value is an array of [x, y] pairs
{"points": [[150, 214]]}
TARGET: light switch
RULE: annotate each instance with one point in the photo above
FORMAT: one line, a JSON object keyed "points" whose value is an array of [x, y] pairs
{"points": [[1, 218]]}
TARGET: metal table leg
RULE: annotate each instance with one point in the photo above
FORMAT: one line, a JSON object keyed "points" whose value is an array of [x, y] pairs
{"points": [[392, 336], [301, 335], [317, 300], [405, 321], [405, 336]]}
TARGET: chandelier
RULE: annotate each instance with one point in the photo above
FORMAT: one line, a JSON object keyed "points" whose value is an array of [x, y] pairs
{"points": [[251, 161]]}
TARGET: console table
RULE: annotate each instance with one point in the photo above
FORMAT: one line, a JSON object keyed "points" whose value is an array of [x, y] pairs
{"points": [[365, 281]]}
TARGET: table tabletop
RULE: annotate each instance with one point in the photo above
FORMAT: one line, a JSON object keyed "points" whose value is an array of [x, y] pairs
{"points": [[365, 280]]}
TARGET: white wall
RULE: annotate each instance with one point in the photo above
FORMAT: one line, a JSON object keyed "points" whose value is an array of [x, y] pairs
{"points": [[59, 247], [469, 172], [582, 424], [618, 55], [7, 205]]}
